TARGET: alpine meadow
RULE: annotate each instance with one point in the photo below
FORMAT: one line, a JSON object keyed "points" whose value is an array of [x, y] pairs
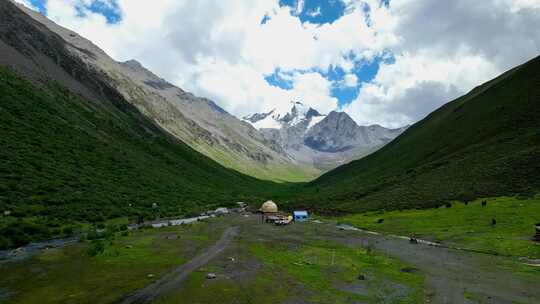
{"points": [[274, 151]]}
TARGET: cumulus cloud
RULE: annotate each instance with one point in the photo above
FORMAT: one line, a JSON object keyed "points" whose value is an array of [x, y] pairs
{"points": [[222, 50], [445, 49]]}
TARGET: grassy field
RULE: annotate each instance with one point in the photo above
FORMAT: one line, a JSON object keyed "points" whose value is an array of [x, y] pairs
{"points": [[332, 270], [469, 226], [299, 264], [70, 275], [271, 265]]}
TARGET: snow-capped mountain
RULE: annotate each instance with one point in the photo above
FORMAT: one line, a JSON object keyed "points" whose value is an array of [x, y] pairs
{"points": [[324, 141], [276, 120]]}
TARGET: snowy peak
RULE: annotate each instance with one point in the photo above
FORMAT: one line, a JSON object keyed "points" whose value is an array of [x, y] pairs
{"points": [[324, 141], [274, 119]]}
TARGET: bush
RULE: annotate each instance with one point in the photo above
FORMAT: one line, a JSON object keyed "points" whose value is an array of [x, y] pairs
{"points": [[68, 230], [96, 247], [4, 243], [93, 235]]}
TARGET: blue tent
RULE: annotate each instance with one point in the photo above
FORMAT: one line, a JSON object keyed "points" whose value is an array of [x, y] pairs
{"points": [[300, 216]]}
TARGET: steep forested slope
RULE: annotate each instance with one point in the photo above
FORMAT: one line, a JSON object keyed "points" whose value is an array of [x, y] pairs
{"points": [[484, 143], [63, 155]]}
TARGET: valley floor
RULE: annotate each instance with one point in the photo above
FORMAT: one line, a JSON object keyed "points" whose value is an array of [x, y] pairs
{"points": [[312, 262]]}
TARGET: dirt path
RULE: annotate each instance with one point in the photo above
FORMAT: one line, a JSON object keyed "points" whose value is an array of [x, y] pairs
{"points": [[451, 274], [174, 278]]}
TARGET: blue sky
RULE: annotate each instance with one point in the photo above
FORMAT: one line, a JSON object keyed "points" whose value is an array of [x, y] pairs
{"points": [[323, 12], [109, 9]]}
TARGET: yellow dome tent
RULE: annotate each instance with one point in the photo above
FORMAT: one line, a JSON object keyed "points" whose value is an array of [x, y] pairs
{"points": [[269, 207]]}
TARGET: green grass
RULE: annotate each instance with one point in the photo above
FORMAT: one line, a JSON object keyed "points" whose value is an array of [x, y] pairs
{"points": [[69, 275], [468, 226], [486, 143], [322, 267], [266, 288]]}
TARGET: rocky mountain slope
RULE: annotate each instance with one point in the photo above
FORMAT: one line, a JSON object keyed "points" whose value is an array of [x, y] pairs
{"points": [[322, 141], [199, 122], [486, 143]]}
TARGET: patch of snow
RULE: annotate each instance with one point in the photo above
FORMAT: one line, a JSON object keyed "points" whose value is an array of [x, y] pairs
{"points": [[278, 118], [315, 120], [267, 123]]}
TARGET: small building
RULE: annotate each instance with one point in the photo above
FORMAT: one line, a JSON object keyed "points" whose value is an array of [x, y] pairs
{"points": [[300, 216], [269, 212], [269, 207]]}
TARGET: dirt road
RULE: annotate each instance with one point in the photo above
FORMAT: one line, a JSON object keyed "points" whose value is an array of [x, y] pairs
{"points": [[451, 274], [174, 278]]}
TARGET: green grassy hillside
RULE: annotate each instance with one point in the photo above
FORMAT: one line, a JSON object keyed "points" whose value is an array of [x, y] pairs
{"points": [[468, 226], [65, 159], [486, 143]]}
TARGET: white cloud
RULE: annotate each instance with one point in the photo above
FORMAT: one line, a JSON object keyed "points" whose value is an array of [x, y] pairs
{"points": [[350, 80], [299, 7], [315, 12], [444, 49], [220, 49], [407, 90]]}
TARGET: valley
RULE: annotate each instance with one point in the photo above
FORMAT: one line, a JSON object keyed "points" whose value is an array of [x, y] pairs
{"points": [[119, 186], [312, 261]]}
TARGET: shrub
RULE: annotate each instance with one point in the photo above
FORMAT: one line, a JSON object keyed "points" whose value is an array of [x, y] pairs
{"points": [[68, 230], [4, 243], [96, 247], [93, 235]]}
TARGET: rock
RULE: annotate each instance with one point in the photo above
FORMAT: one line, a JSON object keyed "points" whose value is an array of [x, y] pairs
{"points": [[129, 246], [211, 276], [409, 269], [361, 277], [150, 275]]}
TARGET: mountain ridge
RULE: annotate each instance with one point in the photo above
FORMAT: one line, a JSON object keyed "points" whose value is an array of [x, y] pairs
{"points": [[323, 140]]}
